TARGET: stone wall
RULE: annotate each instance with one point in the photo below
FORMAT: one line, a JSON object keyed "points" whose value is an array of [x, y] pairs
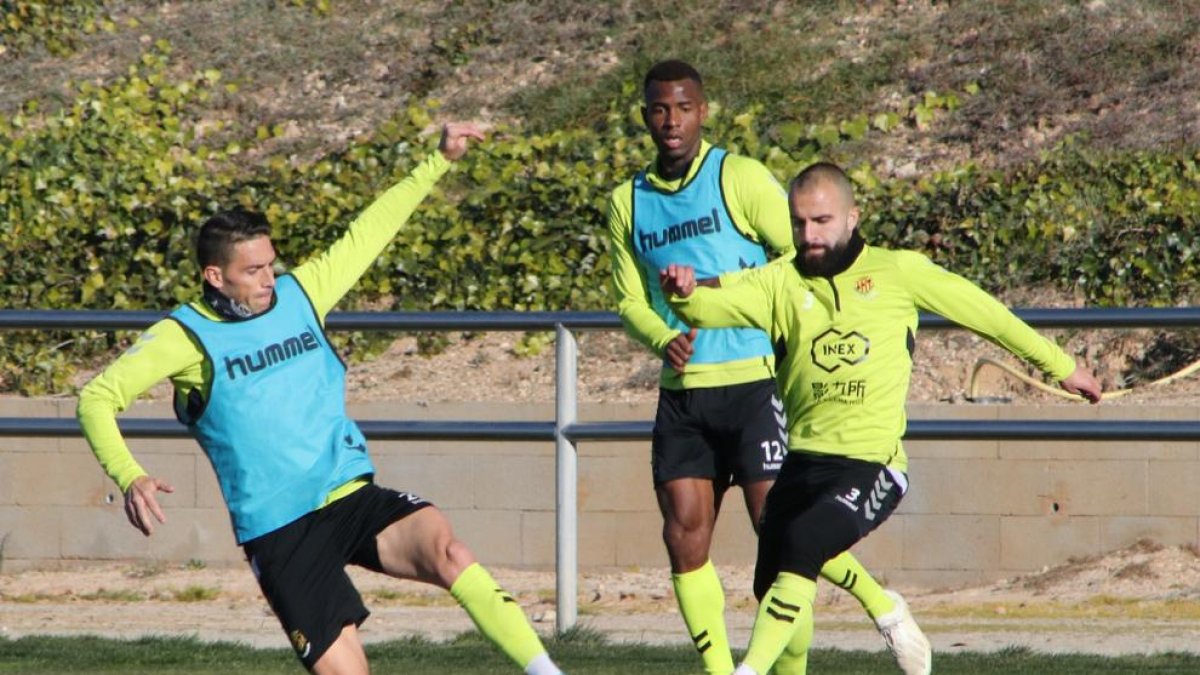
{"points": [[977, 510]]}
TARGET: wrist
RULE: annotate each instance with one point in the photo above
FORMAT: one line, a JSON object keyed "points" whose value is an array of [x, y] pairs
{"points": [[439, 162]]}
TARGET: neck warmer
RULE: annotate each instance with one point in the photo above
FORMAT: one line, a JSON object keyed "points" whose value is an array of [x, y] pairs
{"points": [[227, 308]]}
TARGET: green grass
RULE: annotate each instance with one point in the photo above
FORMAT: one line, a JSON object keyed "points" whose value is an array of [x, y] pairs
{"points": [[107, 595], [196, 593], [582, 653]]}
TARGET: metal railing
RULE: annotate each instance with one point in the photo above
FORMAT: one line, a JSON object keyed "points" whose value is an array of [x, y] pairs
{"points": [[565, 430]]}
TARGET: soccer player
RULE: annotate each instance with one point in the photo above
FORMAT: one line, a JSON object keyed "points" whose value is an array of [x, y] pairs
{"points": [[719, 421], [847, 313], [263, 393]]}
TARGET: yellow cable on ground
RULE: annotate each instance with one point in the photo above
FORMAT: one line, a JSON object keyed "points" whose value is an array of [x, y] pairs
{"points": [[1034, 382]]}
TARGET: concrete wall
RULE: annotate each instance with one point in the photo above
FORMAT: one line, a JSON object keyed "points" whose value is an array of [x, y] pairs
{"points": [[977, 510]]}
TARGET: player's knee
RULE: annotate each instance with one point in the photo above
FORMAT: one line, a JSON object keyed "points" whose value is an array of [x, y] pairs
{"points": [[684, 533], [687, 535], [688, 550], [689, 523], [441, 556], [457, 553], [453, 556]]}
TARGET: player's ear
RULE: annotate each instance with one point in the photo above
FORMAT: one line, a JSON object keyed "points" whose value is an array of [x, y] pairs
{"points": [[212, 274], [852, 218]]}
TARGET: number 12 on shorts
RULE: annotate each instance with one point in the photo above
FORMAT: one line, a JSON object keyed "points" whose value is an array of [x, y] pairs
{"points": [[773, 454]]}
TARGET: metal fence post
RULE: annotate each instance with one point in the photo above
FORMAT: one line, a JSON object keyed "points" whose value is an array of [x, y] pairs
{"points": [[566, 480]]}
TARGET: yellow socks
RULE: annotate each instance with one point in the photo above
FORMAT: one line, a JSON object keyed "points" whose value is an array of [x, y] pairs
{"points": [[498, 617], [777, 642], [784, 621], [702, 603], [794, 659], [846, 571]]}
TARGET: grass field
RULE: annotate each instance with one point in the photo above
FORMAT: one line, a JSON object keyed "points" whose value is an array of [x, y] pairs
{"points": [[582, 653]]}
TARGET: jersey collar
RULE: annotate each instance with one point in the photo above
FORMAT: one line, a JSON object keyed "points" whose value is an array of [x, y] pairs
{"points": [[674, 185]]}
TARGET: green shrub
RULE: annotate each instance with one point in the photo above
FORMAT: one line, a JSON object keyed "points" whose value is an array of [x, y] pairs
{"points": [[1118, 228], [55, 25], [98, 203]]}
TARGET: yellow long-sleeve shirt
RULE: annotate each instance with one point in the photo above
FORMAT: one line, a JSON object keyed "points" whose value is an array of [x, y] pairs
{"points": [[849, 341], [165, 351], [759, 209]]}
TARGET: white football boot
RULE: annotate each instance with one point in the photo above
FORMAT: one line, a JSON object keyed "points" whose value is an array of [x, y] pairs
{"points": [[904, 638]]}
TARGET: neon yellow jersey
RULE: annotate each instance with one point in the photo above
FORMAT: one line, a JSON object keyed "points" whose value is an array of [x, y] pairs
{"points": [[165, 352], [758, 207], [850, 339]]}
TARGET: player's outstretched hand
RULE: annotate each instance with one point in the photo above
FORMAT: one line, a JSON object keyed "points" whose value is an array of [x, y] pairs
{"points": [[455, 135], [141, 503], [677, 280], [1083, 383]]}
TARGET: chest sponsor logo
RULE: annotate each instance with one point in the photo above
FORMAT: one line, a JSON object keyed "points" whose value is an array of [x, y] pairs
{"points": [[833, 349], [850, 392], [650, 239], [271, 355]]}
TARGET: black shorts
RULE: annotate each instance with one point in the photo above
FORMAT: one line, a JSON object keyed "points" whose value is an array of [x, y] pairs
{"points": [[820, 506], [733, 435], [301, 567]]}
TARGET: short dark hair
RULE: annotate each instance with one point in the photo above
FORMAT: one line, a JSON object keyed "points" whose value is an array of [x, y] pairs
{"points": [[672, 70], [823, 171], [218, 234]]}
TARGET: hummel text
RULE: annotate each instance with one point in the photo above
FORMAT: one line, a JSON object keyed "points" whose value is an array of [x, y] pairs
{"points": [[276, 352], [670, 234]]}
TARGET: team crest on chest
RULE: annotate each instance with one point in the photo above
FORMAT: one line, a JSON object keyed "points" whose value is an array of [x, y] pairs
{"points": [[865, 286]]}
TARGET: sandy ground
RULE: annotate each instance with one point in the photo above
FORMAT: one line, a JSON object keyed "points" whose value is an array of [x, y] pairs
{"points": [[1139, 600], [1143, 599]]}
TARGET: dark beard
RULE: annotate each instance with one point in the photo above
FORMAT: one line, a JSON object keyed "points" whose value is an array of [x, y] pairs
{"points": [[826, 266], [835, 260]]}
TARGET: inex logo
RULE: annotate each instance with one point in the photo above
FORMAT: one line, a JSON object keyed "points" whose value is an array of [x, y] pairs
{"points": [[833, 349]]}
